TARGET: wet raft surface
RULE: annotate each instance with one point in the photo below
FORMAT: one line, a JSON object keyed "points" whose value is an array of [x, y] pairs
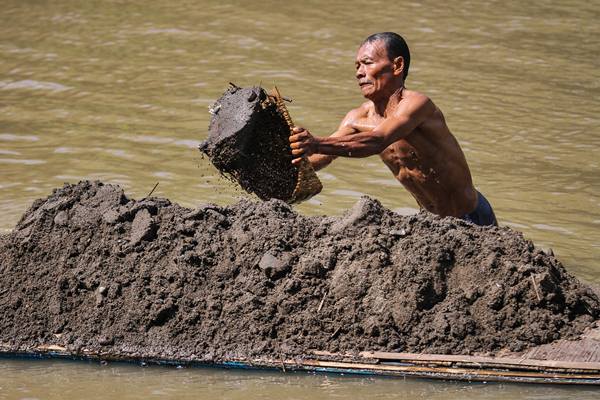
{"points": [[89, 268]]}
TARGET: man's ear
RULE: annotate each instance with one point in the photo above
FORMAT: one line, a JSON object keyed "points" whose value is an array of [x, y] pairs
{"points": [[398, 65]]}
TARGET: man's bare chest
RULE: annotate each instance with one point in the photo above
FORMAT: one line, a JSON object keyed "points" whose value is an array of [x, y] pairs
{"points": [[397, 155]]}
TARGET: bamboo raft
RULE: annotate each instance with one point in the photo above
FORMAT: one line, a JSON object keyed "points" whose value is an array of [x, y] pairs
{"points": [[563, 362]]}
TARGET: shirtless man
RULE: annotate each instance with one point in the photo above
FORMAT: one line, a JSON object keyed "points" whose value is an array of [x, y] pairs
{"points": [[408, 132]]}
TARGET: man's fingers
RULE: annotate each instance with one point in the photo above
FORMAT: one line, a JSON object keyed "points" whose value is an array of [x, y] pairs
{"points": [[301, 143], [297, 137], [297, 129]]}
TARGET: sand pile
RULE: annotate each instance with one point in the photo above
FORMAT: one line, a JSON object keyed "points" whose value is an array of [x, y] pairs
{"points": [[89, 268]]}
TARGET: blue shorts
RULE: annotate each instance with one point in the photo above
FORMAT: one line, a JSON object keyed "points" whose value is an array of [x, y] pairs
{"points": [[483, 213]]}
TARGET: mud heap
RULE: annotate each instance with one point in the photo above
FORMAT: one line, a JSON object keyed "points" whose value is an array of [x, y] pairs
{"points": [[89, 268]]}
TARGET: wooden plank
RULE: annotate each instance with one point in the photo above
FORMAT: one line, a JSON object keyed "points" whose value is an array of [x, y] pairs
{"points": [[484, 361], [51, 347], [464, 374], [453, 371], [461, 373]]}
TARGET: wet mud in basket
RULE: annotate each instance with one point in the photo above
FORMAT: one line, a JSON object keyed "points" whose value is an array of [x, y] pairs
{"points": [[248, 142], [89, 268]]}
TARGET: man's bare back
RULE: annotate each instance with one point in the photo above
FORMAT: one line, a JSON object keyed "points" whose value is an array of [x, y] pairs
{"points": [[408, 132]]}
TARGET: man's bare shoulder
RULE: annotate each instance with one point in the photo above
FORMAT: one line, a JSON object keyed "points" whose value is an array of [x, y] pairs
{"points": [[355, 114], [414, 97], [360, 111], [415, 102]]}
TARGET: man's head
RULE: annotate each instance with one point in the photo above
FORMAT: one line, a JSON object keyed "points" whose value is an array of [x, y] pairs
{"points": [[382, 64]]}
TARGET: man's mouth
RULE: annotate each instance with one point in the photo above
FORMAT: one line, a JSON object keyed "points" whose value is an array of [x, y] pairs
{"points": [[364, 83]]}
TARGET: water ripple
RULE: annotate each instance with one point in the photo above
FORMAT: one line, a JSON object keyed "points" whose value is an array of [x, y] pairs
{"points": [[22, 162], [15, 137], [30, 84]]}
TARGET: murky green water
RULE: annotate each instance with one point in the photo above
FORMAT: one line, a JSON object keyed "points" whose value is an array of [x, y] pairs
{"points": [[119, 91]]}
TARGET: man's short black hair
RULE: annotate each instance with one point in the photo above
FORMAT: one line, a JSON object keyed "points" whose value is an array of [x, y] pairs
{"points": [[395, 45]]}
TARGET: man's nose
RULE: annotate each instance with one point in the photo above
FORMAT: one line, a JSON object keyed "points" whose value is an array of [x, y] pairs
{"points": [[360, 73]]}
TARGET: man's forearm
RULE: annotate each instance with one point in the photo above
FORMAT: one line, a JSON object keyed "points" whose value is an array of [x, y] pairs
{"points": [[355, 145]]}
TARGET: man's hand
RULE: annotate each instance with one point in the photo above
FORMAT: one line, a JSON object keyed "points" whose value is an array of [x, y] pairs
{"points": [[302, 143]]}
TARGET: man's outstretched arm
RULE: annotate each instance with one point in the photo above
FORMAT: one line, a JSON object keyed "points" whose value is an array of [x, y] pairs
{"points": [[365, 143], [320, 161]]}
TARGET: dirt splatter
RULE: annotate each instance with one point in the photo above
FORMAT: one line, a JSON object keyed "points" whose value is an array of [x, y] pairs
{"points": [[89, 268]]}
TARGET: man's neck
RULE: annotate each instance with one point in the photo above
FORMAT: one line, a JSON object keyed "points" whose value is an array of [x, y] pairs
{"points": [[389, 102]]}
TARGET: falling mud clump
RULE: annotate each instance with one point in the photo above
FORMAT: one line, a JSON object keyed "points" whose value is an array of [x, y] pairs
{"points": [[89, 268], [249, 142]]}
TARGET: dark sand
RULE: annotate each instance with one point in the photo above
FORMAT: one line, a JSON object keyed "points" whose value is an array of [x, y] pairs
{"points": [[89, 268]]}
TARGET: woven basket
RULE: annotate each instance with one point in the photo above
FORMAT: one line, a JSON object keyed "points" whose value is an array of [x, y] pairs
{"points": [[307, 183]]}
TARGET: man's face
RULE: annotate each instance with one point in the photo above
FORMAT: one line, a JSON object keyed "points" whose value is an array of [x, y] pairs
{"points": [[374, 70]]}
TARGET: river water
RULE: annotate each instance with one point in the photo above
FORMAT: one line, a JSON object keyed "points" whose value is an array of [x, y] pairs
{"points": [[119, 91]]}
